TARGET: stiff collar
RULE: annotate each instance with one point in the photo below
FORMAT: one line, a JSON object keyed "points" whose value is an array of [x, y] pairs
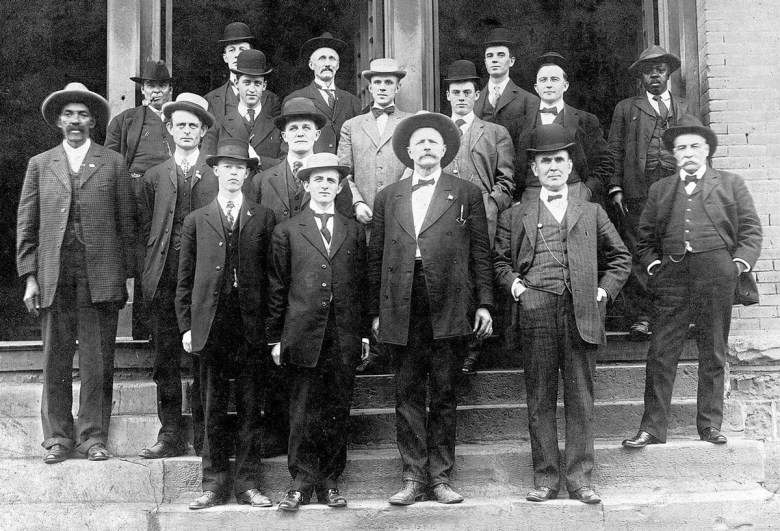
{"points": [[544, 193], [469, 118], [192, 158], [502, 86], [435, 176], [699, 173], [238, 201]]}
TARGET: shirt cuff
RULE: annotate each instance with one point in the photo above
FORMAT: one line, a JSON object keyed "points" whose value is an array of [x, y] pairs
{"points": [[747, 266], [651, 266], [522, 289], [614, 190], [274, 344], [365, 340]]}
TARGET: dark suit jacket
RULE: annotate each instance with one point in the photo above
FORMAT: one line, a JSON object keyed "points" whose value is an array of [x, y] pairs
{"points": [[593, 161], [201, 264], [513, 104], [590, 233], [265, 138], [728, 204], [305, 280], [124, 133], [629, 139], [158, 204], [346, 106], [456, 258], [107, 220], [219, 97]]}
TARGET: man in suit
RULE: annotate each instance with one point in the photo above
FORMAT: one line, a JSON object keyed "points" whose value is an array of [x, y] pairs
{"points": [[75, 248], [635, 138], [592, 159], [316, 332], [235, 39], [485, 158], [171, 191], [430, 287], [698, 232], [335, 104], [501, 101], [220, 307], [546, 259]]}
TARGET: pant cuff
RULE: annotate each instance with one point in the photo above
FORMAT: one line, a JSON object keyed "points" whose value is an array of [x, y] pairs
{"points": [[85, 446], [64, 441]]}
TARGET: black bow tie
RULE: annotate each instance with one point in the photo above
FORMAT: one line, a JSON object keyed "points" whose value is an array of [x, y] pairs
{"points": [[554, 197], [550, 110], [423, 182], [387, 110], [690, 179]]}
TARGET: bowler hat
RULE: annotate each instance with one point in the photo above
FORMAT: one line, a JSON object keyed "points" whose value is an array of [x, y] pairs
{"points": [[499, 37], [550, 58], [461, 70], [449, 132], [232, 148], [237, 32], [300, 109], [326, 40], [187, 101], [322, 161], [686, 125], [655, 54], [384, 67], [251, 63], [153, 71], [550, 138], [75, 93]]}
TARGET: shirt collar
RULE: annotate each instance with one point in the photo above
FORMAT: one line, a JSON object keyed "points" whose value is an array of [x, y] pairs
{"points": [[375, 106], [237, 201], [192, 158], [291, 160], [502, 85], [323, 86], [545, 193], [242, 108], [469, 118], [666, 97], [699, 173], [435, 175], [317, 210], [558, 105], [76, 153]]}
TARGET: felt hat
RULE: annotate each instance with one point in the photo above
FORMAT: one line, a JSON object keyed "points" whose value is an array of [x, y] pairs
{"points": [[75, 93], [251, 63], [300, 109], [322, 161], [384, 67], [153, 71], [449, 132], [655, 54], [549, 138], [232, 148], [237, 32], [550, 58], [687, 125], [187, 101], [326, 40], [499, 37], [462, 70]]}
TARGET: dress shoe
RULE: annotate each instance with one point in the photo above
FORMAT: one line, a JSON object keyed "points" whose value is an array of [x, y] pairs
{"points": [[253, 497], [56, 454], [97, 452], [469, 366], [640, 331], [291, 501], [444, 494], [162, 449], [413, 491], [332, 498], [540, 494], [713, 435], [640, 440], [585, 495], [209, 498]]}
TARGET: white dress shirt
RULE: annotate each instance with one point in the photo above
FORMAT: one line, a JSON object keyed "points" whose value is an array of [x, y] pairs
{"points": [[242, 110], [492, 88], [315, 208], [666, 97], [76, 155], [191, 159], [381, 120], [548, 118], [469, 119], [557, 207], [322, 88], [421, 199], [238, 200]]}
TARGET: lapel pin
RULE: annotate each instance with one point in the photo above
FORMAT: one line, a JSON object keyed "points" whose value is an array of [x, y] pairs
{"points": [[91, 165], [449, 197]]}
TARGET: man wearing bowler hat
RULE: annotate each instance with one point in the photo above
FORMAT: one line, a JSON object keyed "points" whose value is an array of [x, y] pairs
{"points": [[75, 248], [547, 260], [635, 138], [501, 101], [324, 54], [236, 38], [221, 302], [171, 191], [698, 232], [430, 287], [318, 327]]}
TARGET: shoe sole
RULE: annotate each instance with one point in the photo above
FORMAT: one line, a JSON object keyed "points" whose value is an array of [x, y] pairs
{"points": [[98, 458], [288, 509], [404, 502], [54, 460], [450, 502], [206, 506]]}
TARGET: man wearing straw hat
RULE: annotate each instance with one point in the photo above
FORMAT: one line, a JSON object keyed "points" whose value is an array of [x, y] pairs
{"points": [[75, 248], [171, 191]]}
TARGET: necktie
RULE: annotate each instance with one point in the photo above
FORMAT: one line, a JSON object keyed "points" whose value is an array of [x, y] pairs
{"points": [[690, 178], [331, 97], [460, 122], [296, 166], [554, 197], [324, 230], [495, 95], [229, 213], [422, 182], [250, 117], [185, 166], [663, 110], [550, 110], [376, 111]]}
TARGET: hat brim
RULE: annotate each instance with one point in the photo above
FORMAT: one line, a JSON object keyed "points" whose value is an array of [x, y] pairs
{"points": [[672, 60], [250, 39], [368, 74], [213, 160], [252, 72], [508, 44], [550, 148], [304, 173], [206, 117], [475, 79], [443, 124], [673, 132], [54, 102], [281, 121], [312, 45]]}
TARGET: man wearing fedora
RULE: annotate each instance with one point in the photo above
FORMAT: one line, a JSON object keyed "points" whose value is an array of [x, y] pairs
{"points": [[250, 121], [316, 324], [547, 260], [236, 38], [641, 159], [501, 101], [430, 288], [75, 248], [698, 232], [337, 105], [221, 302], [591, 157], [170, 191]]}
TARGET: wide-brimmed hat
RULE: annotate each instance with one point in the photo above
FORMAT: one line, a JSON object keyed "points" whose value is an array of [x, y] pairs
{"points": [[687, 124], [462, 70], [550, 58], [300, 109], [449, 132], [251, 63], [549, 138], [384, 67], [75, 93], [655, 54], [237, 32], [326, 40], [499, 37], [153, 71], [187, 101], [322, 161], [232, 148]]}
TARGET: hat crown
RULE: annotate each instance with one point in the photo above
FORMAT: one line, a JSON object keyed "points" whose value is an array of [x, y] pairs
{"points": [[384, 65], [499, 36], [74, 92], [298, 106], [237, 31], [462, 69], [251, 61], [322, 160], [75, 85], [550, 58], [552, 137], [155, 71], [656, 53], [233, 148], [189, 97]]}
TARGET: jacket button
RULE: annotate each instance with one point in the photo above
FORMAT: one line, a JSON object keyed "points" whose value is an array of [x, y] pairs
{"points": [[220, 244], [219, 268], [166, 230], [286, 213], [324, 284], [324, 266], [324, 304], [62, 210]]}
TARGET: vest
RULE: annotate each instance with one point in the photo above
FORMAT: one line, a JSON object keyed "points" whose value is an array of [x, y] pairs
{"points": [[656, 152], [74, 234], [690, 225], [154, 146], [230, 271], [546, 273], [462, 166], [183, 204]]}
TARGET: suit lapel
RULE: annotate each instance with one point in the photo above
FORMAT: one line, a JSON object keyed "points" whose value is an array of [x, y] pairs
{"points": [[442, 199], [319, 102], [339, 232], [279, 182], [60, 167], [571, 120], [709, 182], [531, 222], [245, 217], [200, 169], [573, 212], [261, 129], [392, 121], [645, 106], [402, 207], [234, 125], [509, 94], [170, 164], [369, 126], [213, 215], [92, 163], [311, 232], [475, 132]]}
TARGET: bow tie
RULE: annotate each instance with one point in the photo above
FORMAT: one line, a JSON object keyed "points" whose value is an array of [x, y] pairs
{"points": [[376, 111], [550, 110], [423, 182], [554, 197], [690, 179]]}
